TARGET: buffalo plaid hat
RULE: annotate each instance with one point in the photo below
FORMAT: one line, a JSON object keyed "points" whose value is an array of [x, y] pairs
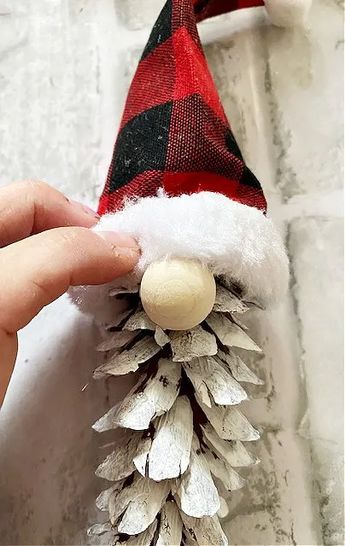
{"points": [[174, 133], [177, 180]]}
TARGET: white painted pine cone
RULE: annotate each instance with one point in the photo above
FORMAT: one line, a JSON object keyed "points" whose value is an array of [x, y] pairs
{"points": [[181, 426]]}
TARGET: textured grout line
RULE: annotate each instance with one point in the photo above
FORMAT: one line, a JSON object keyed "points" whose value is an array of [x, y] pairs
{"points": [[304, 425]]}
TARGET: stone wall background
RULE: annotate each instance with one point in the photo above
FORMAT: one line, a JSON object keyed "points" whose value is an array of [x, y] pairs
{"points": [[65, 66]]}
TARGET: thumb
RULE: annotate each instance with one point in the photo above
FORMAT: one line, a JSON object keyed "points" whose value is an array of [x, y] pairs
{"points": [[37, 270]]}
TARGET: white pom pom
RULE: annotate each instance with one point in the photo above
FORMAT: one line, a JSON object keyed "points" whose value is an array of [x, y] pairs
{"points": [[177, 294], [288, 13]]}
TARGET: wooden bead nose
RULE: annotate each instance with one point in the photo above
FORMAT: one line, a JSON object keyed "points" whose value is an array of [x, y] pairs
{"points": [[177, 294]]}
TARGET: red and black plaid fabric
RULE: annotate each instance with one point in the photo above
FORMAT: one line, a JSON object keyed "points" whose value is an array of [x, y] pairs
{"points": [[174, 133]]}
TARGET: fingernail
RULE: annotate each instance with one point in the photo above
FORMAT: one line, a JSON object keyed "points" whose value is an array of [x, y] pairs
{"points": [[123, 244], [85, 208]]}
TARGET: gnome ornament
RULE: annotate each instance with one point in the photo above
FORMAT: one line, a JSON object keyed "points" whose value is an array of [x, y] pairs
{"points": [[178, 184]]}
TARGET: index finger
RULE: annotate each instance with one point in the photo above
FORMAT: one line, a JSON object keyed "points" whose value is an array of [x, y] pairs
{"points": [[30, 207], [36, 271]]}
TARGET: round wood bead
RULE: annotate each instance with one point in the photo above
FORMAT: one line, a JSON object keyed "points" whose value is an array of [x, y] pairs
{"points": [[177, 294]]}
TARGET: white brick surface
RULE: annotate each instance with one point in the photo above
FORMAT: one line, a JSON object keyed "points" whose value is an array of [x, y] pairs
{"points": [[51, 57], [65, 66], [284, 101]]}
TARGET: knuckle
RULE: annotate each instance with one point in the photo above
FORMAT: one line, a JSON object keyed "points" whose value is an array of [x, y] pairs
{"points": [[41, 288], [38, 188], [35, 191]]}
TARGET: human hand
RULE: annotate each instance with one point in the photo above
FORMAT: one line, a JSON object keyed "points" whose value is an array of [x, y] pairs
{"points": [[46, 247]]}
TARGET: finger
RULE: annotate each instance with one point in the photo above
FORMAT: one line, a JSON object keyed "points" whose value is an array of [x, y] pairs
{"points": [[31, 207], [37, 270]]}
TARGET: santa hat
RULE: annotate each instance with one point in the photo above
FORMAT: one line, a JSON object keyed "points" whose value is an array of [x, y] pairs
{"points": [[177, 180]]}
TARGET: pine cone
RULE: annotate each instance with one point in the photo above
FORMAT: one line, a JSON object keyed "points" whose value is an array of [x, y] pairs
{"points": [[182, 428]]}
